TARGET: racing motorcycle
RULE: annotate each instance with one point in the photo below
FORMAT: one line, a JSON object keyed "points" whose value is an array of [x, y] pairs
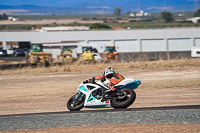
{"points": [[92, 95]]}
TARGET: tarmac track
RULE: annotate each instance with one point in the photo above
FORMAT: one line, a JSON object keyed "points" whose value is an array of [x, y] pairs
{"points": [[111, 110], [169, 114]]}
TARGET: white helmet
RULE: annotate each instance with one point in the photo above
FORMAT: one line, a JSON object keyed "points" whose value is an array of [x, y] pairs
{"points": [[108, 72]]}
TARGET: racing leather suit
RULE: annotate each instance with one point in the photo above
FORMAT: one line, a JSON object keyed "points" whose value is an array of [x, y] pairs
{"points": [[109, 82]]}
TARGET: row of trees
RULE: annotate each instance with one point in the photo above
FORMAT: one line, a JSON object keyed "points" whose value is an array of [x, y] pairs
{"points": [[197, 13], [3, 17], [167, 16]]}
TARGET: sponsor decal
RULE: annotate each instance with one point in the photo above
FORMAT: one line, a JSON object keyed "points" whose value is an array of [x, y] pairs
{"points": [[107, 101], [83, 88], [109, 85]]}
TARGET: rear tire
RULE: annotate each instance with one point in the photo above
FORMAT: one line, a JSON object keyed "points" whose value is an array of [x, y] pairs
{"points": [[125, 101], [77, 107]]}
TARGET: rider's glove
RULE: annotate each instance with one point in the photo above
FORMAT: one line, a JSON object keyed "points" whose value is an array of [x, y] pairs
{"points": [[103, 79], [93, 79], [86, 81]]}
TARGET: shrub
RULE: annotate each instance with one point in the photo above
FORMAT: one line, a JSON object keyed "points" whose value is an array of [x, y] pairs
{"points": [[99, 26], [197, 13], [132, 21], [186, 21], [167, 16], [85, 19]]}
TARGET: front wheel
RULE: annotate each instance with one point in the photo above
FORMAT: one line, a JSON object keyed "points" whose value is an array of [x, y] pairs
{"points": [[76, 102], [124, 101]]}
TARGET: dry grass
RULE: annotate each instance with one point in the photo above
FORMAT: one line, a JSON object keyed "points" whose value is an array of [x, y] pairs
{"points": [[28, 91], [173, 83], [164, 83], [136, 65]]}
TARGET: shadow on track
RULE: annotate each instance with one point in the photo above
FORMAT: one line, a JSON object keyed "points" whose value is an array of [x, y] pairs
{"points": [[111, 110]]}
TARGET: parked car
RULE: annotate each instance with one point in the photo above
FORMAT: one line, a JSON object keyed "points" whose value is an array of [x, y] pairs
{"points": [[19, 52], [3, 52], [26, 50], [10, 51], [97, 57]]}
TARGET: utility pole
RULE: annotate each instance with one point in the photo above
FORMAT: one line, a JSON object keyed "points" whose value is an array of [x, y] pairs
{"points": [[196, 5], [164, 4], [139, 5]]}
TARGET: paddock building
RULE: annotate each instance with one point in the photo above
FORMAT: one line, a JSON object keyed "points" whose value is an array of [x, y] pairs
{"points": [[156, 42]]}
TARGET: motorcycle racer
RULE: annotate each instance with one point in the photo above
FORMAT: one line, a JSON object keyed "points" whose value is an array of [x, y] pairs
{"points": [[109, 78], [112, 90]]}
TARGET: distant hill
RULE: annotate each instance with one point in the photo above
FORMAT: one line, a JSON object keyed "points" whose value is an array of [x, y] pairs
{"points": [[31, 9], [71, 7]]}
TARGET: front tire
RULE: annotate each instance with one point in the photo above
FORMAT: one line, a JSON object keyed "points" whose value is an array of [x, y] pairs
{"points": [[126, 101], [75, 104]]}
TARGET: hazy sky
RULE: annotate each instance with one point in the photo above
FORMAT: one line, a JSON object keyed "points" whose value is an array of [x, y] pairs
{"points": [[132, 5]]}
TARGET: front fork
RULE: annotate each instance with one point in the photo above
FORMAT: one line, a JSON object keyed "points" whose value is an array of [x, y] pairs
{"points": [[78, 98]]}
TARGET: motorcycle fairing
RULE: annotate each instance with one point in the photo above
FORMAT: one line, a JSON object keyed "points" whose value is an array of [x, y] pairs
{"points": [[83, 88], [90, 100], [132, 85], [128, 83]]}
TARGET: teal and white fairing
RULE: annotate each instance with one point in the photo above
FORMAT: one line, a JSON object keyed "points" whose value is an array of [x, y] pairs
{"points": [[92, 101], [128, 83]]}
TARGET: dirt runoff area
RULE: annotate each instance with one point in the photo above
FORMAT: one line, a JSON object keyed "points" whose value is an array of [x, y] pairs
{"points": [[48, 92]]}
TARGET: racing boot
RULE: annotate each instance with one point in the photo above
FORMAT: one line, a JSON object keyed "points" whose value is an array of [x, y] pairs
{"points": [[112, 89], [107, 93]]}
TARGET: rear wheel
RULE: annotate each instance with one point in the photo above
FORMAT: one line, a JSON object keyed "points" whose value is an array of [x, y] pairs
{"points": [[124, 101], [76, 102]]}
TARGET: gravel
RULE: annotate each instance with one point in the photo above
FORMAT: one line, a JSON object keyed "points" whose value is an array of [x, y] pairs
{"points": [[98, 118]]}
